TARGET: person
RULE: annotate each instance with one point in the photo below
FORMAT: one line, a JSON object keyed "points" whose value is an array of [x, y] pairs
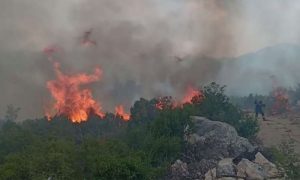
{"points": [[259, 109]]}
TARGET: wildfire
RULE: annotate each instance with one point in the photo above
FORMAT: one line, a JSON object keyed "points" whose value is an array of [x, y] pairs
{"points": [[159, 105], [281, 103], [71, 100], [190, 95], [119, 110], [165, 102]]}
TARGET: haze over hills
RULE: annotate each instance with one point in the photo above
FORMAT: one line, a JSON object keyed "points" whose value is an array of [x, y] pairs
{"points": [[256, 72], [250, 73]]}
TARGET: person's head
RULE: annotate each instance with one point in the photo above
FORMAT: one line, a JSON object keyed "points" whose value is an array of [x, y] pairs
{"points": [[260, 102]]}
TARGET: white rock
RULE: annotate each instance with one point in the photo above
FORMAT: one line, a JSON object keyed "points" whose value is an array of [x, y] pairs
{"points": [[250, 170], [268, 167]]}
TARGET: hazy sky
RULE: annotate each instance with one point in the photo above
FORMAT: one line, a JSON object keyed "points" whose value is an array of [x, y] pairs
{"points": [[137, 42]]}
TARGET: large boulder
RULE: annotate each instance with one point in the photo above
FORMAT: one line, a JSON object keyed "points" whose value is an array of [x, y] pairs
{"points": [[208, 142], [216, 140], [214, 150]]}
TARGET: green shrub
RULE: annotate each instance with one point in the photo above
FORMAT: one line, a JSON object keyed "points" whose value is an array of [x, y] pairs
{"points": [[112, 160], [111, 148], [217, 106], [285, 157], [15, 167]]}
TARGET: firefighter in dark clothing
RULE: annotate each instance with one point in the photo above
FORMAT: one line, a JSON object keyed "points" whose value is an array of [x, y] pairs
{"points": [[259, 109]]}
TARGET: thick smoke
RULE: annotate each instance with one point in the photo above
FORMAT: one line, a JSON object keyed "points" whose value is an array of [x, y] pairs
{"points": [[146, 48]]}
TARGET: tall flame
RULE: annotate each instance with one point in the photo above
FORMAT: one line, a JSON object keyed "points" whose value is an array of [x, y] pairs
{"points": [[71, 100], [119, 110]]}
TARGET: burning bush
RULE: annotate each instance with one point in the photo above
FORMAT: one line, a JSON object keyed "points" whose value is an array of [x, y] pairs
{"points": [[280, 101]]}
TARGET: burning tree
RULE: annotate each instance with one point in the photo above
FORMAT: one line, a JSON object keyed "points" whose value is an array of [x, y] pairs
{"points": [[119, 111], [191, 96], [164, 103], [72, 101]]}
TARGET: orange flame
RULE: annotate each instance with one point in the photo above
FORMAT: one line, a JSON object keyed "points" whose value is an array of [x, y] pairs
{"points": [[72, 101], [281, 103], [119, 110], [191, 92], [188, 98]]}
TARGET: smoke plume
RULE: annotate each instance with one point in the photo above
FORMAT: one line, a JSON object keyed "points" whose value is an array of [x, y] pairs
{"points": [[146, 48]]}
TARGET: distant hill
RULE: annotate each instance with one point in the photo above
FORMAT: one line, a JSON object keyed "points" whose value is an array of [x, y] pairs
{"points": [[279, 53], [251, 73]]}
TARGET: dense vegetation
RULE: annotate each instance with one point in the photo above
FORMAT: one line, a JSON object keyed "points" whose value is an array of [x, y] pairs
{"points": [[111, 148]]}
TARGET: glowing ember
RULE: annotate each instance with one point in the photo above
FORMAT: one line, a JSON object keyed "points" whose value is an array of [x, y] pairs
{"points": [[165, 103], [48, 115], [159, 105], [120, 112], [71, 100]]}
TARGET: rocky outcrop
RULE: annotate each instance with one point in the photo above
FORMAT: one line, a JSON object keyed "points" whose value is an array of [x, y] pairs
{"points": [[214, 150], [213, 139], [208, 142], [245, 170]]}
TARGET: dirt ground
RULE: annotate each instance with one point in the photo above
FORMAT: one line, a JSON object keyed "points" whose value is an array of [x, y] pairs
{"points": [[280, 128]]}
